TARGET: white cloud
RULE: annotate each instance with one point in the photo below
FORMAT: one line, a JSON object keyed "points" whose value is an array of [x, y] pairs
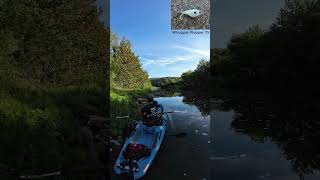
{"points": [[184, 54], [194, 51], [162, 61]]}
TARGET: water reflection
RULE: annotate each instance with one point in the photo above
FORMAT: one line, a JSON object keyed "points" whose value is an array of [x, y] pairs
{"points": [[259, 137], [286, 127], [183, 157], [200, 101]]}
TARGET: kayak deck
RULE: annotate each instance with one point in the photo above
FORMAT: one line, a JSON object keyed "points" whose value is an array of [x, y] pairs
{"points": [[152, 138]]}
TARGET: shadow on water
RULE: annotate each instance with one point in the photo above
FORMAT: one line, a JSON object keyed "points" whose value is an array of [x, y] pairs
{"points": [[291, 124], [248, 137], [179, 135]]}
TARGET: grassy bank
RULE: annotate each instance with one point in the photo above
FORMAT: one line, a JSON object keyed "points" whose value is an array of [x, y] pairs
{"points": [[53, 62], [123, 103], [37, 126]]}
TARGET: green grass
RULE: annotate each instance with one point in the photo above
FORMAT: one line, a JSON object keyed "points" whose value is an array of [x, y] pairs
{"points": [[36, 126], [123, 103]]}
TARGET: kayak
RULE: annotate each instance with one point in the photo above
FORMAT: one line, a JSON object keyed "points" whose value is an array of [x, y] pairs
{"points": [[140, 148]]}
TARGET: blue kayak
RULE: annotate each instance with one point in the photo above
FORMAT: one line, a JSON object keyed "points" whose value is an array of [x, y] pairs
{"points": [[140, 148]]}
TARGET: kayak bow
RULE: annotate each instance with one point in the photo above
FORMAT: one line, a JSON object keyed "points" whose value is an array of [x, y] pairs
{"points": [[143, 136]]}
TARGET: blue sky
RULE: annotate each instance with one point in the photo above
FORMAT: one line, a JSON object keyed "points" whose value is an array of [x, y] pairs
{"points": [[147, 24]]}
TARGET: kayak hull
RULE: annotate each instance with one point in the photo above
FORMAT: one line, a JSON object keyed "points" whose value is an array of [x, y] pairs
{"points": [[151, 137]]}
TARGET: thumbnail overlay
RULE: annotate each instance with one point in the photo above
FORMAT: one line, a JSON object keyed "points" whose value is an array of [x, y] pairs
{"points": [[190, 14]]}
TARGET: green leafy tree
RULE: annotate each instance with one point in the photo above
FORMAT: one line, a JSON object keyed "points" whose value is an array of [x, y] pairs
{"points": [[57, 42], [53, 61], [197, 79], [245, 50], [126, 70]]}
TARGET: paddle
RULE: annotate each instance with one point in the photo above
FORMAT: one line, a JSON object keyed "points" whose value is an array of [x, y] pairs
{"points": [[123, 117], [179, 135]]}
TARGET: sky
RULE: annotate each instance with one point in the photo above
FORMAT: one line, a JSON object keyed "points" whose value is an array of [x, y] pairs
{"points": [[147, 25], [236, 16]]}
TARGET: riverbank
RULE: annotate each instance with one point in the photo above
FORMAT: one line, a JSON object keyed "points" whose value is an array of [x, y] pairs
{"points": [[123, 103], [37, 126]]}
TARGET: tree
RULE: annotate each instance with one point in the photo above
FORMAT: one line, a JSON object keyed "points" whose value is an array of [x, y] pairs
{"points": [[199, 78], [293, 16], [126, 70], [58, 42]]}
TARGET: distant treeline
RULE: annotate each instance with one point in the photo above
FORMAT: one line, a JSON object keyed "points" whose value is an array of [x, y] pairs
{"points": [[283, 58], [165, 82], [199, 79], [190, 80]]}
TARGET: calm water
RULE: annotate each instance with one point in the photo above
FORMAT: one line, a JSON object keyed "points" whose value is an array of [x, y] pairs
{"points": [[256, 138], [237, 139], [187, 157]]}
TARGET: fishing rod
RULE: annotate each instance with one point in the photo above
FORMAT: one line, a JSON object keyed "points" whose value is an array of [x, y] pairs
{"points": [[58, 173], [123, 117], [169, 112], [181, 134]]}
